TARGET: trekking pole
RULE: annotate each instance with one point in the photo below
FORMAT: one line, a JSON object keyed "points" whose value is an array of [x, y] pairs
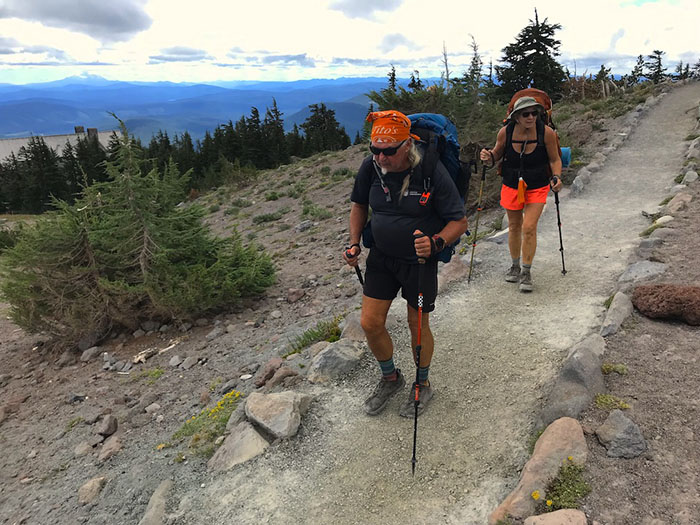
{"points": [[561, 243], [416, 385], [348, 254], [476, 223]]}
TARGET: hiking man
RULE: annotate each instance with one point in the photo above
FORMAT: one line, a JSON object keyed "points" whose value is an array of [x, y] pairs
{"points": [[409, 221], [530, 168]]}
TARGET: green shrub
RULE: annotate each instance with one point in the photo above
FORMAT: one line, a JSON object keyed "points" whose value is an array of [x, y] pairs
{"points": [[272, 196], [214, 208], [325, 170], [209, 424], [567, 489], [610, 402], [323, 331], [267, 217], [312, 210], [618, 368], [241, 203]]}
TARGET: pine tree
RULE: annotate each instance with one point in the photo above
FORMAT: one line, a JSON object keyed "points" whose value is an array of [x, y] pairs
{"points": [[415, 84], [41, 176], [322, 131], [274, 143], [531, 61], [124, 253], [295, 142], [637, 72], [655, 70], [392, 79]]}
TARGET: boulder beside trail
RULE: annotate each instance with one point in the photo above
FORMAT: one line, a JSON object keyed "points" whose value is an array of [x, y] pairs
{"points": [[668, 301], [562, 440]]}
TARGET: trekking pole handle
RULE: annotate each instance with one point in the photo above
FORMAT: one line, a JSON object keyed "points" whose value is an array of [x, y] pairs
{"points": [[421, 260]]}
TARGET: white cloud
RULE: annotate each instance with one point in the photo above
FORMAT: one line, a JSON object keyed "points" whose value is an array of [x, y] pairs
{"points": [[104, 21], [218, 39]]}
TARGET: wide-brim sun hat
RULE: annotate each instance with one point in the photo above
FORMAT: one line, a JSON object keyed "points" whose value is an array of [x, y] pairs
{"points": [[525, 102]]}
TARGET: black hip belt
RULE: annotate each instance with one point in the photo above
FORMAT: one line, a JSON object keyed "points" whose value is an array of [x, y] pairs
{"points": [[534, 178]]}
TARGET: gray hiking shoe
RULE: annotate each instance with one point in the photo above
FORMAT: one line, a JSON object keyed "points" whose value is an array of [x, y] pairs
{"points": [[525, 281], [382, 393], [408, 409], [513, 274]]}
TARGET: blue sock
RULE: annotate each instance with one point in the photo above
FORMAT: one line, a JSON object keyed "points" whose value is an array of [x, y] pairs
{"points": [[388, 369], [516, 262], [423, 372], [527, 266]]}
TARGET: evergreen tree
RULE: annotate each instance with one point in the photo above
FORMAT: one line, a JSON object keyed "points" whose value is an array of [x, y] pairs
{"points": [[358, 139], [124, 253], [184, 153], [295, 142], [531, 61], [274, 144], [91, 156], [40, 176], [655, 70], [637, 72], [322, 131], [415, 84], [392, 79]]}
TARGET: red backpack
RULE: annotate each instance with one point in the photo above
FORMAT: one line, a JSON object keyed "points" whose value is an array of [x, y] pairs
{"points": [[540, 96], [543, 99]]}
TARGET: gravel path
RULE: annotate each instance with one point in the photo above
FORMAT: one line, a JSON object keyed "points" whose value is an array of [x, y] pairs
{"points": [[496, 350]]}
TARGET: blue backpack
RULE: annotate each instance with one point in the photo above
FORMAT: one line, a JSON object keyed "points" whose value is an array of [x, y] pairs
{"points": [[441, 142]]}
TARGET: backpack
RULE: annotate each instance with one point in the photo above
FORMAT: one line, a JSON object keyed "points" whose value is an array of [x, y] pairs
{"points": [[543, 99], [439, 136]]}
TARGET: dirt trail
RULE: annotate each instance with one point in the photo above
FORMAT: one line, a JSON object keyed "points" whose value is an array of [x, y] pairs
{"points": [[496, 350]]}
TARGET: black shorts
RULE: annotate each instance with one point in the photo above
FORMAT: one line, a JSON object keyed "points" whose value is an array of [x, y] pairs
{"points": [[386, 275]]}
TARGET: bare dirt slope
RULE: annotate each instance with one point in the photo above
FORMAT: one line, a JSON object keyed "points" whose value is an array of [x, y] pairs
{"points": [[496, 349]]}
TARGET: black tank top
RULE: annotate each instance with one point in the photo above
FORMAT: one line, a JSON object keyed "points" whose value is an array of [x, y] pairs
{"points": [[532, 167]]}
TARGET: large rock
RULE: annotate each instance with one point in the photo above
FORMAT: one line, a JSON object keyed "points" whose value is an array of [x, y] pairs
{"points": [[88, 492], [641, 270], [678, 203], [352, 329], [621, 436], [335, 360], [668, 301], [278, 414], [243, 444], [455, 270], [267, 371], [561, 440], [620, 308], [579, 380], [155, 512]]}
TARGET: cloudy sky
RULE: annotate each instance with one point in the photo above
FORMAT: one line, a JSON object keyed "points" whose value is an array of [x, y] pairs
{"points": [[208, 40]]}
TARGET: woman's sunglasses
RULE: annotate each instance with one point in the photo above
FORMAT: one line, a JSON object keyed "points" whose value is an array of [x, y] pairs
{"points": [[529, 114], [388, 152]]}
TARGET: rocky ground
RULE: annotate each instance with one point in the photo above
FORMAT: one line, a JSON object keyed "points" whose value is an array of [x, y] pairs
{"points": [[497, 352]]}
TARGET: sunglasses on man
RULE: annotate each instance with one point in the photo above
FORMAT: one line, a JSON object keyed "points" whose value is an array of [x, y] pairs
{"points": [[388, 152]]}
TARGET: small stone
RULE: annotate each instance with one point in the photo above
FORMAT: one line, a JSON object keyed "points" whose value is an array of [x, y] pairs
{"points": [[245, 377], [108, 425], [189, 362]]}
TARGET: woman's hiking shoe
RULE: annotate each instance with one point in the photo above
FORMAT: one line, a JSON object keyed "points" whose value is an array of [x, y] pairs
{"points": [[513, 274], [408, 409], [525, 281], [382, 393]]}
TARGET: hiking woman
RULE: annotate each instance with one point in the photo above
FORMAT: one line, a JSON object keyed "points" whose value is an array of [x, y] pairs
{"points": [[531, 165]]}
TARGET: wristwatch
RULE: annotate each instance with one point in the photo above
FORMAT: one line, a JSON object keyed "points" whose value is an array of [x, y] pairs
{"points": [[438, 242]]}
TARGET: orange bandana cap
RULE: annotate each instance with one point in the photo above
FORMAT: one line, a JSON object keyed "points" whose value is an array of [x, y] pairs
{"points": [[390, 127]]}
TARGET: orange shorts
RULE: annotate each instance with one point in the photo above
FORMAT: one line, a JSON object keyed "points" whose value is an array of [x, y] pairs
{"points": [[509, 197]]}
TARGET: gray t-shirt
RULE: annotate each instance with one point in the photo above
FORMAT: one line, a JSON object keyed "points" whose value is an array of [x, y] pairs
{"points": [[395, 219]]}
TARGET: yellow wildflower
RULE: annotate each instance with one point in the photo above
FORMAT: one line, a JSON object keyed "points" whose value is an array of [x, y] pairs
{"points": [[535, 495], [549, 502], [570, 458]]}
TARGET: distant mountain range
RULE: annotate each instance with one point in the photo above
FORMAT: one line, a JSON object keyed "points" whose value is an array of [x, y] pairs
{"points": [[56, 107]]}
